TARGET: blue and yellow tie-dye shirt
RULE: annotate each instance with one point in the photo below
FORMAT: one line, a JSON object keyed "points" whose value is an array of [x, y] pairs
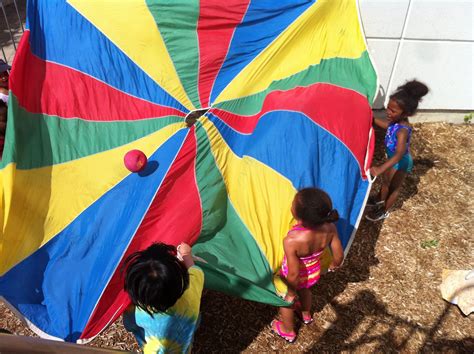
{"points": [[171, 331]]}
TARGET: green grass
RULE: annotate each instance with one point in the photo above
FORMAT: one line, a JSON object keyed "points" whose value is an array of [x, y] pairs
{"points": [[468, 118], [429, 244]]}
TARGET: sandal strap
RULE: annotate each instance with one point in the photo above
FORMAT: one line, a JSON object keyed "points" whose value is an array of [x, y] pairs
{"points": [[306, 319], [287, 336]]}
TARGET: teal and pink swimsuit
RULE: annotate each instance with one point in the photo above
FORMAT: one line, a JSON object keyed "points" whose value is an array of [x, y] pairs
{"points": [[310, 267]]}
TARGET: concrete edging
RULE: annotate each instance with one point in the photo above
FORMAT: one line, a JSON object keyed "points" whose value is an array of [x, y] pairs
{"points": [[453, 117]]}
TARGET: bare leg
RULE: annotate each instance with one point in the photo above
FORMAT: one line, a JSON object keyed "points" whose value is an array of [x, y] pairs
{"points": [[305, 298], [394, 188], [386, 180], [287, 316]]}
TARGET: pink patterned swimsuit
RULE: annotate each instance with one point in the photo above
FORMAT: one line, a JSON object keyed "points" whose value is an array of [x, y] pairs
{"points": [[310, 266]]}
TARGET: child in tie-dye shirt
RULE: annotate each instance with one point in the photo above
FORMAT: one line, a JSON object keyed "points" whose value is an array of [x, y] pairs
{"points": [[165, 288]]}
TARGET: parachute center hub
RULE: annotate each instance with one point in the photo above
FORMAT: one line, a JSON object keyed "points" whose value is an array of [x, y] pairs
{"points": [[193, 116]]}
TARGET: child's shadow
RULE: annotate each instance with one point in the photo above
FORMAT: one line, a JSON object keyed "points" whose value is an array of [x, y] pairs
{"points": [[356, 268], [229, 324]]}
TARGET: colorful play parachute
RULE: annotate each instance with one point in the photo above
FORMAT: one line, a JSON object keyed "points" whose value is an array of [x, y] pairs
{"points": [[237, 104]]}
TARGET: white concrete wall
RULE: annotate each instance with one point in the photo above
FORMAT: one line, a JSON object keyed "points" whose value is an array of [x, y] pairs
{"points": [[430, 40]]}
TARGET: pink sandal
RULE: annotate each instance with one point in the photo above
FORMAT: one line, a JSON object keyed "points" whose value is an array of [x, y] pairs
{"points": [[306, 319], [289, 337]]}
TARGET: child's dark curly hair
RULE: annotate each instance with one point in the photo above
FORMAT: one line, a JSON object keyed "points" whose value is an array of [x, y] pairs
{"points": [[314, 207], [409, 95], [155, 278]]}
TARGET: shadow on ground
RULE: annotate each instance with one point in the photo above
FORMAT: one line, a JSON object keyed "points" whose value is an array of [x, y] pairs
{"points": [[380, 327]]}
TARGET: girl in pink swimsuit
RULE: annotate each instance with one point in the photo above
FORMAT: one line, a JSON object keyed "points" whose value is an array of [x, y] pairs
{"points": [[305, 242]]}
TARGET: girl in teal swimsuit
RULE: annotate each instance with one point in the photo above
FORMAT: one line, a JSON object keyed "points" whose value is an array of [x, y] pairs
{"points": [[403, 104]]}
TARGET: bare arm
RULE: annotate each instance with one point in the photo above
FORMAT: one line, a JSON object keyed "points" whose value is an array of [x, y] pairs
{"points": [[381, 122], [337, 252], [293, 263], [186, 253], [402, 136], [3, 119]]}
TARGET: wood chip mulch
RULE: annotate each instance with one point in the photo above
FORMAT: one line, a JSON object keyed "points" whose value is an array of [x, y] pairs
{"points": [[386, 297]]}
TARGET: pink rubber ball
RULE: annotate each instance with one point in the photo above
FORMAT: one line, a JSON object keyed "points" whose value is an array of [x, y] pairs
{"points": [[135, 160]]}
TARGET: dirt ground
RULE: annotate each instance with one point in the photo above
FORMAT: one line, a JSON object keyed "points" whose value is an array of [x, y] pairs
{"points": [[386, 296]]}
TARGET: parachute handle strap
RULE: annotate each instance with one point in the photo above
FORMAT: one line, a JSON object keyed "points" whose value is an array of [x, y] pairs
{"points": [[369, 177]]}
